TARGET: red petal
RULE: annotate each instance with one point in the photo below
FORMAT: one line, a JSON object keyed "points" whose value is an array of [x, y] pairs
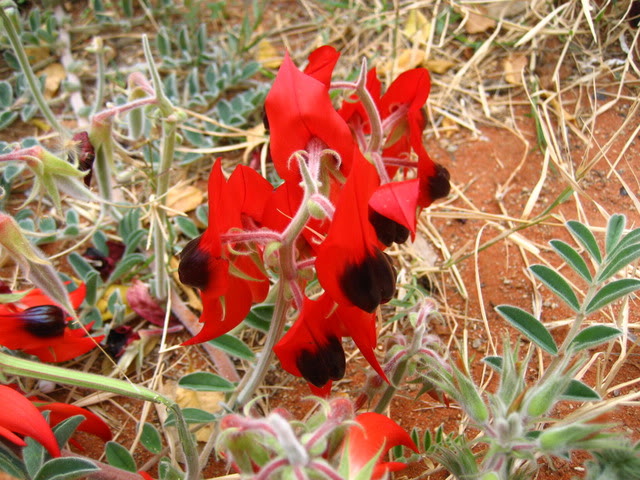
{"points": [[298, 109], [350, 267], [322, 61], [311, 348], [361, 327], [219, 320], [72, 345], [398, 201], [249, 191], [410, 89], [19, 415], [92, 423], [259, 285], [375, 434], [37, 297]]}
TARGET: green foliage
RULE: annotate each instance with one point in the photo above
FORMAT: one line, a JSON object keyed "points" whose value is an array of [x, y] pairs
{"points": [[206, 382], [118, 456]]}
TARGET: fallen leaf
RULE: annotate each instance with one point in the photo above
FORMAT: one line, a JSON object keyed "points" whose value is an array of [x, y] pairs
{"points": [[41, 124], [449, 126], [267, 54], [514, 66], [439, 66], [477, 20], [561, 111], [407, 59], [37, 54], [140, 300], [208, 401], [417, 28], [54, 75], [183, 198]]}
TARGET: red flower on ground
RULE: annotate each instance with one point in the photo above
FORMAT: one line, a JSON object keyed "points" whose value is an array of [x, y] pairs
{"points": [[19, 416], [350, 266], [312, 348], [37, 326], [59, 412], [372, 436], [229, 283]]}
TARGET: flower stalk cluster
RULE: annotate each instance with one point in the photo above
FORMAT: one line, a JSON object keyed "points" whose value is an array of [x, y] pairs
{"points": [[342, 202]]}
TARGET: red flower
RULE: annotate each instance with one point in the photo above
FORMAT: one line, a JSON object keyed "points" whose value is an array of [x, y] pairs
{"points": [[373, 436], [228, 283], [409, 93], [401, 107], [298, 109], [312, 348], [350, 266], [19, 416], [322, 61], [59, 412], [37, 326]]}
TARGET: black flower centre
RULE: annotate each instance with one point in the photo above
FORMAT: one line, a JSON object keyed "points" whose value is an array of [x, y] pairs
{"points": [[44, 321], [387, 230], [371, 282], [327, 363], [194, 261]]}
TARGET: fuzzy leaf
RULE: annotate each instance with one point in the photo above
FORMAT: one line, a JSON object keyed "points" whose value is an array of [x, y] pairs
{"points": [[529, 326], [65, 429], [615, 229], [259, 317], [11, 465], [578, 391], [572, 258], [206, 382], [126, 265], [584, 236], [593, 336], [6, 94], [233, 346], [66, 468], [620, 259], [631, 238], [191, 416], [119, 457], [150, 438], [611, 292], [33, 457], [494, 361], [557, 284]]}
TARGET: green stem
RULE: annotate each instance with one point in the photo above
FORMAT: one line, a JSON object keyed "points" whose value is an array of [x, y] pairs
{"points": [[391, 389], [187, 441], [32, 81], [253, 380], [169, 127], [100, 75], [28, 368], [573, 331]]}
